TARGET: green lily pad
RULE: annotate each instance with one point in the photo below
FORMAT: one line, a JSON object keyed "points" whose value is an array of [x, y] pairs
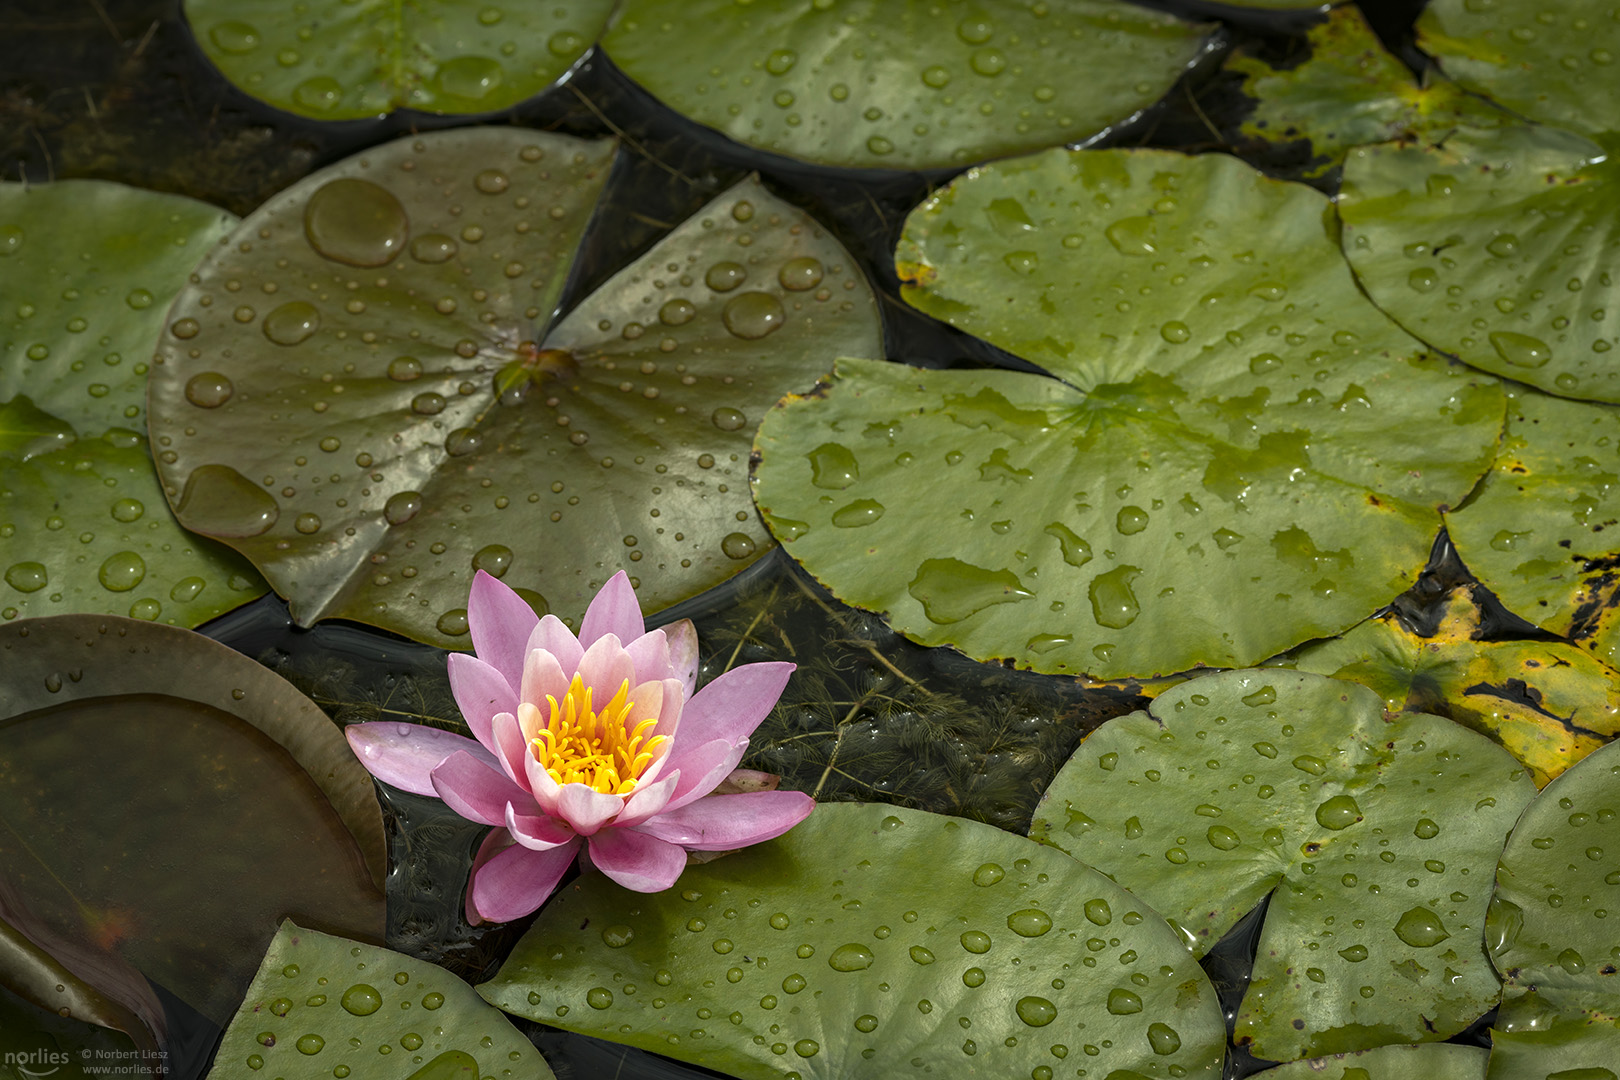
{"points": [[1552, 63], [1546, 703], [903, 84], [874, 941], [1424, 1061], [1539, 530], [1351, 91], [1374, 837], [1499, 249], [132, 749], [1549, 933], [364, 391], [321, 1003], [1243, 453], [343, 60]]}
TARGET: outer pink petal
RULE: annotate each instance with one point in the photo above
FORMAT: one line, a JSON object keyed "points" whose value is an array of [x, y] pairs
{"points": [[405, 754], [647, 800], [481, 691], [517, 881], [499, 622], [586, 809], [650, 654], [636, 860], [703, 769], [511, 748], [614, 610], [553, 635], [733, 705], [477, 792], [543, 675], [669, 716], [495, 841], [683, 652], [726, 822], [604, 668], [537, 833]]}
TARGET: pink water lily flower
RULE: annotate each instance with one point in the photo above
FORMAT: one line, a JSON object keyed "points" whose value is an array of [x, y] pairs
{"points": [[595, 739]]}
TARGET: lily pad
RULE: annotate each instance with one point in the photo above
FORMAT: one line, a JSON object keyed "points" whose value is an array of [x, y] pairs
{"points": [[130, 749], [86, 269], [1552, 63], [1243, 453], [1546, 703], [365, 391], [874, 941], [343, 60], [903, 84], [322, 1006], [1424, 1061], [1351, 91], [1502, 249], [1539, 530], [1549, 933], [1374, 837]]}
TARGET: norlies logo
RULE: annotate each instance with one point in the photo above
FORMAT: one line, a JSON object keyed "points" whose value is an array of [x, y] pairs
{"points": [[36, 1062]]}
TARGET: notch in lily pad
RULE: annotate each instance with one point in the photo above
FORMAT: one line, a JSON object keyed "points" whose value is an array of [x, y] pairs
{"points": [[366, 390], [1373, 836]]}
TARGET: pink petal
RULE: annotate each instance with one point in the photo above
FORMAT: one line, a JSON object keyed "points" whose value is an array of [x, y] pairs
{"points": [[615, 611], [536, 833], [542, 785], [727, 822], [543, 676], [683, 652], [499, 622], [648, 701], [511, 748], [748, 780], [669, 716], [404, 754], [586, 809], [481, 691], [553, 635], [495, 841], [650, 654], [604, 668], [733, 705], [702, 770], [517, 881], [636, 860], [476, 791], [647, 800]]}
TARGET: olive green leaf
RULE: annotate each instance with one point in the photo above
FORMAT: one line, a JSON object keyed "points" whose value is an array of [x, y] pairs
{"points": [[364, 391], [131, 749], [347, 59], [26, 1030], [903, 84], [87, 269], [1539, 531], [323, 1006], [1549, 62], [1351, 91], [1244, 454], [1374, 838], [1424, 1061], [1549, 931], [1501, 249], [874, 941], [1548, 704]]}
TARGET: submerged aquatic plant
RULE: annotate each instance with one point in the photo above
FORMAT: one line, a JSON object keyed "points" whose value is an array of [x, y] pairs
{"points": [[617, 756]]}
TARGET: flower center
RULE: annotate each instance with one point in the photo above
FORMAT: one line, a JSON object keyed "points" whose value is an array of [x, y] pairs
{"points": [[604, 749]]}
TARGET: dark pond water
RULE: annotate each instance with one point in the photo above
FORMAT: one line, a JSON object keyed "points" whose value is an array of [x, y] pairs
{"points": [[115, 89]]}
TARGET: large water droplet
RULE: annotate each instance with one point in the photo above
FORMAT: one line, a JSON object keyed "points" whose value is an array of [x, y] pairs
{"points": [[976, 941], [1163, 1038], [752, 315], [833, 466], [470, 77], [319, 94], [800, 274], [310, 1044], [493, 559], [725, 276], [1520, 350], [122, 571], [292, 322], [856, 514], [737, 545], [27, 577], [1113, 603], [219, 501], [233, 37], [209, 390], [402, 506], [851, 957], [1133, 236], [1030, 922], [1421, 928], [1222, 838], [599, 997], [951, 590], [361, 999], [1339, 812], [1035, 1011], [355, 222], [1123, 1002]]}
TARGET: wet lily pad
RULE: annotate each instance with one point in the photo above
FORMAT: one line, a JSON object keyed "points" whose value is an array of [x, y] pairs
{"points": [[1546, 703], [1351, 91], [1552, 63], [1539, 531], [1424, 1061], [903, 84], [874, 941], [341, 60], [364, 391], [1374, 837], [1550, 935], [1501, 249], [87, 269], [128, 749], [321, 1003], [1243, 453]]}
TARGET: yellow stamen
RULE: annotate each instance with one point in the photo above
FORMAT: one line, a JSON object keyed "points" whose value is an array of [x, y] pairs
{"points": [[605, 750]]}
